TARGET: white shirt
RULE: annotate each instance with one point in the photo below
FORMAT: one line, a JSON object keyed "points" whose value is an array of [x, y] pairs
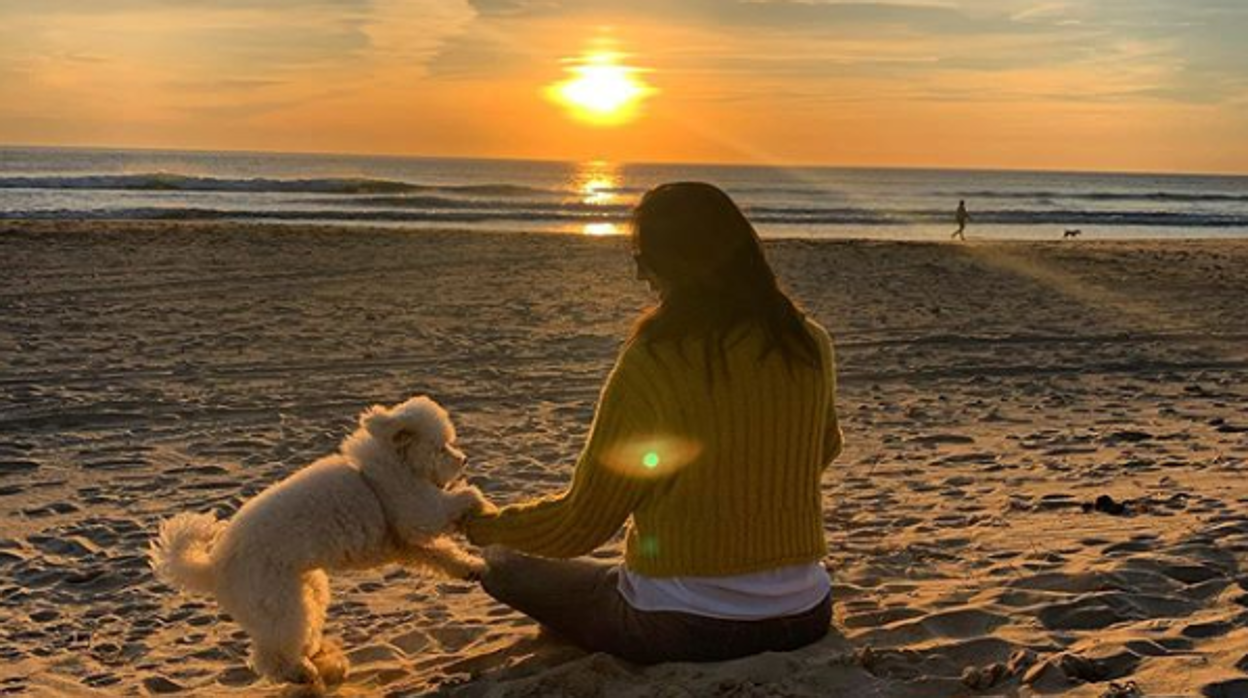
{"points": [[784, 591]]}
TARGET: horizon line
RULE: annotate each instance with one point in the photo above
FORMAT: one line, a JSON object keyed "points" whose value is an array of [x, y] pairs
{"points": [[745, 164]]}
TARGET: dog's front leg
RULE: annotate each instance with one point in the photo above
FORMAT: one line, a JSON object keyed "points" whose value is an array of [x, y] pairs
{"points": [[445, 556]]}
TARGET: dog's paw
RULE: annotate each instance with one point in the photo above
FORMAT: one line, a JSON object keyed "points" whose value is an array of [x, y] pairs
{"points": [[473, 570], [282, 668], [468, 502], [331, 663], [304, 676], [462, 567], [471, 499]]}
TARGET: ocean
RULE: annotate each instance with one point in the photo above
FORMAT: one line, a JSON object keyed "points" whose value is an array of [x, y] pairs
{"points": [[595, 197]]}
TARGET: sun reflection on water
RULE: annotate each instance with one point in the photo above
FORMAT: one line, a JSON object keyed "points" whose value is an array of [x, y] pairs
{"points": [[597, 183], [602, 229], [599, 191]]}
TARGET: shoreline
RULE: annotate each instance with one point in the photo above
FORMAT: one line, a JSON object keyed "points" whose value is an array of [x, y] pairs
{"points": [[36, 226], [990, 392]]}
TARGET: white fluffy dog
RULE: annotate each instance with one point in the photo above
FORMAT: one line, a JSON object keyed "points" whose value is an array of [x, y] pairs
{"points": [[382, 499]]}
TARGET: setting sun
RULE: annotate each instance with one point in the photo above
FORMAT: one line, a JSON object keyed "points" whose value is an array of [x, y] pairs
{"points": [[601, 91]]}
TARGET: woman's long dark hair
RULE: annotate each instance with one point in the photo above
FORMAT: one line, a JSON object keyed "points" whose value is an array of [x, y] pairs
{"points": [[709, 262]]}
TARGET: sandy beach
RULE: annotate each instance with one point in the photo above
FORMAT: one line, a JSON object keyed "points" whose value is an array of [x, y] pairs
{"points": [[990, 394]]}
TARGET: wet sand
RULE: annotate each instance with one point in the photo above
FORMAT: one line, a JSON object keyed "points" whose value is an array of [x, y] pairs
{"points": [[991, 392]]}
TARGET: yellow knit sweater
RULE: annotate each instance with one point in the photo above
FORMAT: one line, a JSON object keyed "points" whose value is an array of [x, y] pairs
{"points": [[719, 479]]}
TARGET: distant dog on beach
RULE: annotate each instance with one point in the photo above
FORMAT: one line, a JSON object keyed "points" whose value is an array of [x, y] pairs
{"points": [[1071, 234], [382, 499]]}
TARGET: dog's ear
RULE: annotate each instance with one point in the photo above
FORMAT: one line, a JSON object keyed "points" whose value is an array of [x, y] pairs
{"points": [[378, 422]]}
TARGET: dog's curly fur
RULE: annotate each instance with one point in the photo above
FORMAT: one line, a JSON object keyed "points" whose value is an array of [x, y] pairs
{"points": [[381, 499]]}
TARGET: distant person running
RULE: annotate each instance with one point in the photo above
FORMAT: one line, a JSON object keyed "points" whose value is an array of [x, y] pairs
{"points": [[962, 217]]}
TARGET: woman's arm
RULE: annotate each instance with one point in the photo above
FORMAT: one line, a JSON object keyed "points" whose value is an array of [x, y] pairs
{"points": [[833, 438], [603, 493]]}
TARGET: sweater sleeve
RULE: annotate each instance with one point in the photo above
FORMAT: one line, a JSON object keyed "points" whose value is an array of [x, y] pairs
{"points": [[603, 493]]}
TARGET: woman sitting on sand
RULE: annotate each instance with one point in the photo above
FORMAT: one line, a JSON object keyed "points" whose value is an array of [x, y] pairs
{"points": [[711, 434]]}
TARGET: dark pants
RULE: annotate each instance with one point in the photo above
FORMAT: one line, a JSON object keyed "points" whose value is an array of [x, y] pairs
{"points": [[578, 600]]}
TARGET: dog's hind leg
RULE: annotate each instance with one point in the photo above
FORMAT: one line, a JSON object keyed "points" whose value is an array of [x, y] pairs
{"points": [[328, 658], [279, 626], [315, 599]]}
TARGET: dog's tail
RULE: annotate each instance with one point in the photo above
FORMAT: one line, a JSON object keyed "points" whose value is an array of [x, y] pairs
{"points": [[181, 554]]}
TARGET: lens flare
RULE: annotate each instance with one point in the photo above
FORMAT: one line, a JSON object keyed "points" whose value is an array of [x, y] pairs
{"points": [[649, 546], [653, 457]]}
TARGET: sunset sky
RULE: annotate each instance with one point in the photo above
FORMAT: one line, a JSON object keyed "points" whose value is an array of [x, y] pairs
{"points": [[1155, 85]]}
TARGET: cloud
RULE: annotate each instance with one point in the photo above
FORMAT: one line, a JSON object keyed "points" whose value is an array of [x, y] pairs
{"points": [[211, 64], [791, 14], [105, 7]]}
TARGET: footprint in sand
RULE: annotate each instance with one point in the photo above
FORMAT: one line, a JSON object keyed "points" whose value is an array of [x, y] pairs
{"points": [[1235, 688], [413, 642], [374, 654], [237, 677], [1091, 612], [16, 466], [161, 685], [1201, 631]]}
